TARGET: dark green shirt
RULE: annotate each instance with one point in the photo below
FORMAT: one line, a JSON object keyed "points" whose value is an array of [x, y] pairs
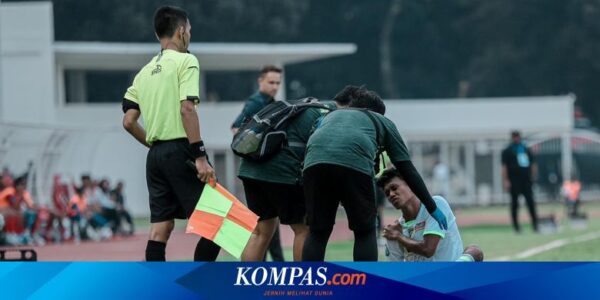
{"points": [[346, 137], [254, 104], [286, 166]]}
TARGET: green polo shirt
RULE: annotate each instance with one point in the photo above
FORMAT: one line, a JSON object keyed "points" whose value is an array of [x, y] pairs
{"points": [[346, 137], [254, 104], [159, 88]]}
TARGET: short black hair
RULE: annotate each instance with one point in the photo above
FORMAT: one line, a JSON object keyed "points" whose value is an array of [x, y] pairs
{"points": [[515, 133], [78, 190], [167, 19], [269, 68], [22, 180], [387, 176], [345, 96], [360, 97]]}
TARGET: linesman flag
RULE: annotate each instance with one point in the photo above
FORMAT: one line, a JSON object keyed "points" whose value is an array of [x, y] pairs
{"points": [[222, 218]]}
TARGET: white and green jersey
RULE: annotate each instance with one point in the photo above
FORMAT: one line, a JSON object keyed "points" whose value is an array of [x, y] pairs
{"points": [[450, 246]]}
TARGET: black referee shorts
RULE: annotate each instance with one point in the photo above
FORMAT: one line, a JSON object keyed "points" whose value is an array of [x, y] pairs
{"points": [[325, 186], [173, 187], [269, 200]]}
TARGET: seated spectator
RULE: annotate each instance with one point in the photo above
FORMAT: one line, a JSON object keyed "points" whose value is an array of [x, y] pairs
{"points": [[94, 216], [60, 200], [12, 220], [119, 198], [19, 212], [23, 203], [108, 205], [77, 211]]}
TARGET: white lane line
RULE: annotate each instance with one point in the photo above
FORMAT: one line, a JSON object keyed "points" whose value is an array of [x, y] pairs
{"points": [[550, 246]]}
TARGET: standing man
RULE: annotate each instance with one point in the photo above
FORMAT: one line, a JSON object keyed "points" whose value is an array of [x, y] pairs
{"points": [[518, 172], [166, 92], [417, 236], [269, 82], [274, 188], [339, 167]]}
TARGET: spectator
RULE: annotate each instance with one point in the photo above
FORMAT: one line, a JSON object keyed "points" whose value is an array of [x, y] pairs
{"points": [[122, 213], [76, 211], [23, 203], [570, 191], [108, 205]]}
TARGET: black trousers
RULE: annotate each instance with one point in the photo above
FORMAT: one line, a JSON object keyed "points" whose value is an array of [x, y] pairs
{"points": [[518, 188]]}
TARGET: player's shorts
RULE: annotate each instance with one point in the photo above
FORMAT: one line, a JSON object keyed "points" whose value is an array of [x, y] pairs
{"points": [[269, 200], [173, 187], [326, 185]]}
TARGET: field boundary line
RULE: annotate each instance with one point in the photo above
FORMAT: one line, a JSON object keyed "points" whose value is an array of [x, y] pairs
{"points": [[555, 244]]}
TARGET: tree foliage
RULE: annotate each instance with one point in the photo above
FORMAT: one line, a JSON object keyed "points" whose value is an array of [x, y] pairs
{"points": [[406, 48]]}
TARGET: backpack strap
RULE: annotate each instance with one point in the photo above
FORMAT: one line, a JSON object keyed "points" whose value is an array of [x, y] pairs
{"points": [[297, 144], [296, 109]]}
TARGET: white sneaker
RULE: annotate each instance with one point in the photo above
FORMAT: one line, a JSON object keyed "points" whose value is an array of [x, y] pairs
{"points": [[105, 233], [13, 239], [92, 234], [39, 240]]}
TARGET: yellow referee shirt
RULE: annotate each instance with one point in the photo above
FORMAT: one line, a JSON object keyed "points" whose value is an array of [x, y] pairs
{"points": [[159, 88]]}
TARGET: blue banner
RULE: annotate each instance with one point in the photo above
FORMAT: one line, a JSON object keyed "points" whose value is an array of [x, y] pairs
{"points": [[141, 280]]}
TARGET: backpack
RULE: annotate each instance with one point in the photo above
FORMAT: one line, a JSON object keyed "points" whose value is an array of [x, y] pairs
{"points": [[264, 135]]}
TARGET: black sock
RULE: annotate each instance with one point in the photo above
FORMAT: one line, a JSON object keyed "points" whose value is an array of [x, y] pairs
{"points": [[206, 250], [155, 251], [365, 245], [315, 245]]}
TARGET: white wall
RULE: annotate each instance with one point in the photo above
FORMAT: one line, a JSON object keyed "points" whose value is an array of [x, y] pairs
{"points": [[27, 62], [490, 118]]}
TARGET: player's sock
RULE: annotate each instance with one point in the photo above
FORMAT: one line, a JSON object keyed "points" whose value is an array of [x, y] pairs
{"points": [[206, 250], [315, 245], [465, 257], [365, 245], [155, 251]]}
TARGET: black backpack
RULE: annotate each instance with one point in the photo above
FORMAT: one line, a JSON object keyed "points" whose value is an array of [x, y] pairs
{"points": [[264, 135]]}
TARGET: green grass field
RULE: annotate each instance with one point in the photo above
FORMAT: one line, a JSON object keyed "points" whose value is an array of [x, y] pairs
{"points": [[499, 240], [496, 238]]}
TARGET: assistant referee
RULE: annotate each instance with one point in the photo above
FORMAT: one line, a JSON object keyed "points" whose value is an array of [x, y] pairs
{"points": [[166, 92]]}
